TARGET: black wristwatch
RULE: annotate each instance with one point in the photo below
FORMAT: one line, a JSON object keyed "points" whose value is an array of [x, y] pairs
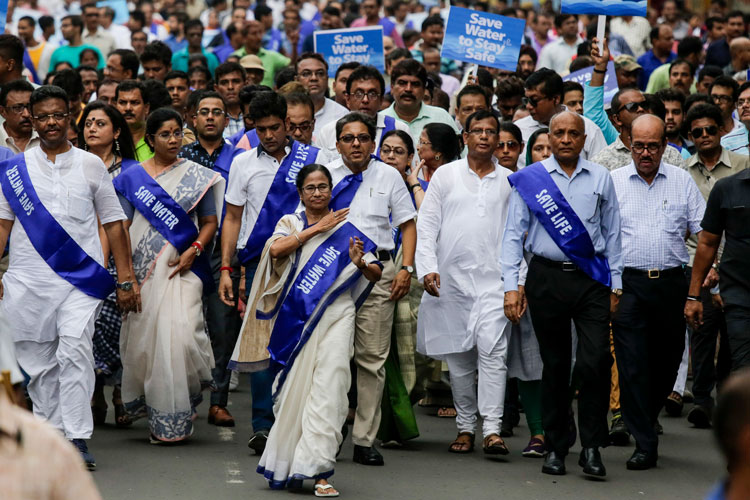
{"points": [[414, 186], [125, 286], [409, 269]]}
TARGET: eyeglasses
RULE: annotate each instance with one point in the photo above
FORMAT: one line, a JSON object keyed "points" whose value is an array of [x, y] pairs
{"points": [[421, 143], [321, 73], [482, 131], [18, 108], [638, 148], [371, 95], [509, 144], [323, 188], [217, 112], [302, 127], [533, 101], [164, 136], [385, 151], [717, 98], [349, 138], [634, 106], [58, 117], [710, 130]]}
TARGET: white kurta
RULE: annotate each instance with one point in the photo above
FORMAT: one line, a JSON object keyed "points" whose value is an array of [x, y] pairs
{"points": [[459, 235]]}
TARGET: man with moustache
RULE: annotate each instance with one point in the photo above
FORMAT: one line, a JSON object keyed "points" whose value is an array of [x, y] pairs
{"points": [[736, 141], [681, 75], [57, 196], [131, 102], [17, 132]]}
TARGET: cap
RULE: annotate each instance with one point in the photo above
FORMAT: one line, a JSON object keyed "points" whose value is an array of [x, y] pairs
{"points": [[251, 61], [628, 63]]}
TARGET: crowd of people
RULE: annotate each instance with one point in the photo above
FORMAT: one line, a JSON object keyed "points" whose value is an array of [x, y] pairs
{"points": [[189, 192]]}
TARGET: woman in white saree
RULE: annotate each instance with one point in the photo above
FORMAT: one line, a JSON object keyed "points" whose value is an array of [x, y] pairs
{"points": [[313, 272], [166, 353]]}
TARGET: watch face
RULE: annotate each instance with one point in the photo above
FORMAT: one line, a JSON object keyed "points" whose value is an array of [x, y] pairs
{"points": [[126, 286]]}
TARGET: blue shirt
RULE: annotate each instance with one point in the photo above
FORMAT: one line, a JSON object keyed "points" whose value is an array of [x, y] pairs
{"points": [[650, 62], [591, 193], [181, 58], [736, 141]]}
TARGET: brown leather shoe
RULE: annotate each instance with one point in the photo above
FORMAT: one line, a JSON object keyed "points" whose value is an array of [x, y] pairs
{"points": [[220, 416]]}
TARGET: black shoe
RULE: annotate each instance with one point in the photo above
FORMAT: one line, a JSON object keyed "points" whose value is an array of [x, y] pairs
{"points": [[700, 416], [554, 464], [618, 432], [257, 441], [658, 428], [641, 460], [367, 455], [591, 461]]}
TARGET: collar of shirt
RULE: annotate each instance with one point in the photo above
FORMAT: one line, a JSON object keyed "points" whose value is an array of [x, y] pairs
{"points": [[633, 172], [552, 166], [287, 149], [489, 175], [561, 41], [620, 146], [724, 161], [423, 112]]}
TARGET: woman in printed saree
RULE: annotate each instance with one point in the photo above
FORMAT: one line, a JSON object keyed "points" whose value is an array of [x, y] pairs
{"points": [[172, 204], [313, 271], [104, 132]]}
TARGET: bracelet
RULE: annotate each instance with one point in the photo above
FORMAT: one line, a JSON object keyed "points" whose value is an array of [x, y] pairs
{"points": [[600, 71], [298, 240], [695, 298], [226, 268], [197, 244], [414, 186]]}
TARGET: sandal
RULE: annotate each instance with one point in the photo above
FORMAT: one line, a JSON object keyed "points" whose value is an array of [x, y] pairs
{"points": [[322, 490], [461, 445], [122, 419], [446, 412], [494, 445]]}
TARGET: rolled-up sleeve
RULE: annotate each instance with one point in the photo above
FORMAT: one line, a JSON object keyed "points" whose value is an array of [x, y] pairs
{"points": [[516, 226]]}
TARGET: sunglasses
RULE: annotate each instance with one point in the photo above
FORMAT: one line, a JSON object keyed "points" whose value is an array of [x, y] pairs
{"points": [[634, 106], [530, 100], [710, 130]]}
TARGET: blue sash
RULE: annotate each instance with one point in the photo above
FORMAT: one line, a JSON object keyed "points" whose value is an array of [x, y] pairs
{"points": [[224, 161], [252, 136], [390, 124], [558, 218], [127, 163], [165, 215], [396, 231], [343, 193], [282, 199], [49, 238], [294, 323]]}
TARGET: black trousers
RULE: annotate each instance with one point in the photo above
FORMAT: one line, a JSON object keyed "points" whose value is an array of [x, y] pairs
{"points": [[738, 333], [555, 298], [649, 334], [708, 372]]}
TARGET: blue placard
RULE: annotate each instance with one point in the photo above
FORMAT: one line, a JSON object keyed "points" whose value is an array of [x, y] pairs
{"points": [[610, 80], [605, 7], [481, 38], [362, 45]]}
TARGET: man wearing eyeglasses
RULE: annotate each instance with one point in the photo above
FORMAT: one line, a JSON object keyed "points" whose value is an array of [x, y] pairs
{"points": [[376, 197], [364, 93], [723, 92], [17, 132], [708, 165], [737, 140], [312, 72], [660, 203]]}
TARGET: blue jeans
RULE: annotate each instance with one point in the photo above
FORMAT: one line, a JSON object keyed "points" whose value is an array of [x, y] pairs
{"points": [[261, 382]]}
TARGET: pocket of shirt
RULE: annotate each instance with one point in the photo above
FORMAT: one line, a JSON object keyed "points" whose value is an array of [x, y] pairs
{"points": [[673, 218], [591, 210], [379, 205], [79, 208]]}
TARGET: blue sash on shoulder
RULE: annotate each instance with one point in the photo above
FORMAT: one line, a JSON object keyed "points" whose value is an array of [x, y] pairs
{"points": [[127, 163], [396, 231], [295, 322], [49, 238], [343, 193], [165, 215], [252, 136], [282, 199], [224, 161], [389, 124], [549, 206]]}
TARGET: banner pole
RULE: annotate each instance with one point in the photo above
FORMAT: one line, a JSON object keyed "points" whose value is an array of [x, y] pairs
{"points": [[600, 25]]}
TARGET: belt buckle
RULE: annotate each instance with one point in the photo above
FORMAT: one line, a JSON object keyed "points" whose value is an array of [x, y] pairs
{"points": [[568, 266], [653, 274]]}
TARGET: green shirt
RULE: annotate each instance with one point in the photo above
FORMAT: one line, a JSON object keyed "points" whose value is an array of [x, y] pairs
{"points": [[272, 63], [72, 55], [142, 151], [659, 80], [427, 114]]}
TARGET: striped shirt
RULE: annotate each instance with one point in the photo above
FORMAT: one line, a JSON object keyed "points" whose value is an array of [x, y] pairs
{"points": [[656, 217], [736, 141]]}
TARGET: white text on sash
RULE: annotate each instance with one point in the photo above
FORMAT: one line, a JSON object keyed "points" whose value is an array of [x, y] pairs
{"points": [[160, 211], [17, 184], [318, 270], [550, 208], [297, 164]]}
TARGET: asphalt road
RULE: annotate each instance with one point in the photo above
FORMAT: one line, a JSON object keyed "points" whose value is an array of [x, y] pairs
{"points": [[215, 464]]}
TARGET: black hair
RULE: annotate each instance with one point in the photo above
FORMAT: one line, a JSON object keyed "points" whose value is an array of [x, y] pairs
{"points": [[654, 33], [76, 21], [480, 115], [528, 50], [688, 46], [284, 76], [398, 53], [200, 58], [177, 74], [441, 99], [409, 67], [678, 61], [157, 95], [332, 11], [125, 140], [229, 67], [561, 18], [485, 79], [353, 117], [571, 86], [265, 104], [249, 91], [473, 90], [346, 66], [511, 128], [46, 22], [715, 20], [29, 20], [11, 48], [201, 69], [736, 13], [262, 10], [614, 104], [87, 51], [551, 81], [711, 71], [157, 51], [655, 106], [365, 72], [70, 81], [309, 169], [509, 88], [703, 110], [193, 23], [671, 95], [128, 60], [210, 94], [408, 141], [48, 92], [532, 141], [696, 98], [20, 85], [580, 62], [310, 55], [300, 99], [743, 87], [726, 82], [443, 140], [432, 21], [158, 118]]}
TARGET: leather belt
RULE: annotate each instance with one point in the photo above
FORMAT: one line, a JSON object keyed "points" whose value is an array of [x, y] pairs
{"points": [[655, 274], [384, 255], [562, 265]]}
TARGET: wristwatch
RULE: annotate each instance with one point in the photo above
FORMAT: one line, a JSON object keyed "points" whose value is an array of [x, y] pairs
{"points": [[410, 269], [617, 292], [125, 286]]}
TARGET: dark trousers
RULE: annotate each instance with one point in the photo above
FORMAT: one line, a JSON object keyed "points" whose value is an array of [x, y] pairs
{"points": [[555, 298], [708, 372], [261, 383], [649, 335], [738, 333], [224, 323]]}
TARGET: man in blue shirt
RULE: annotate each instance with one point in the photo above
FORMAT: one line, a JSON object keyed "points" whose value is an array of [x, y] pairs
{"points": [[559, 291], [662, 40]]}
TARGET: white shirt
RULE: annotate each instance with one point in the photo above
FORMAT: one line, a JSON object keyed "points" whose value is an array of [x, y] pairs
{"points": [[121, 34], [381, 194], [459, 235], [77, 190], [635, 32], [329, 113], [594, 143], [100, 39], [557, 54], [326, 139], [8, 142]]}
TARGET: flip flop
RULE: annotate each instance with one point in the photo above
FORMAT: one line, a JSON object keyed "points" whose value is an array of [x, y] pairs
{"points": [[321, 489]]}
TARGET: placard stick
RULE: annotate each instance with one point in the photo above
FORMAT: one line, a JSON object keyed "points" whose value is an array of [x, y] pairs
{"points": [[600, 25]]}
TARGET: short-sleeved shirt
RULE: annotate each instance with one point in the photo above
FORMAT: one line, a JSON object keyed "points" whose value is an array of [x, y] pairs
{"points": [[329, 113], [72, 55], [427, 114], [381, 194], [728, 213]]}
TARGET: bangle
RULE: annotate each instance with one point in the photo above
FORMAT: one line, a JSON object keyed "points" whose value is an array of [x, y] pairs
{"points": [[600, 71], [298, 240], [695, 298], [225, 268], [414, 186]]}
